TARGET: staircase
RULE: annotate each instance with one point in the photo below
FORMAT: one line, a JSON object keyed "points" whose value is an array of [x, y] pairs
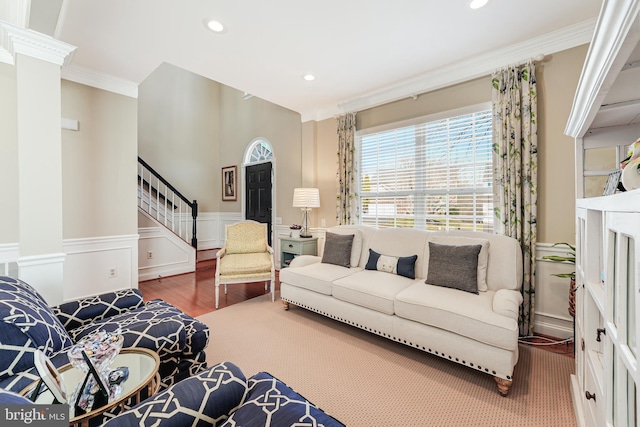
{"points": [[161, 201], [166, 226]]}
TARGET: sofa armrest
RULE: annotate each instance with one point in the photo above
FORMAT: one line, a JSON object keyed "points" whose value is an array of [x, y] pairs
{"points": [[507, 303], [204, 399], [74, 314], [285, 406], [302, 260]]}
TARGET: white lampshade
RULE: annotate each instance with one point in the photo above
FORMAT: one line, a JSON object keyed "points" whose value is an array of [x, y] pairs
{"points": [[306, 198]]}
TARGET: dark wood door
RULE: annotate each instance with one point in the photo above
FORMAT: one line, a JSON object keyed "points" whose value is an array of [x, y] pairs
{"points": [[258, 195]]}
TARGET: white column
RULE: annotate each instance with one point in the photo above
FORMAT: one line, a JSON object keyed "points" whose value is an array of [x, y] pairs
{"points": [[38, 59]]}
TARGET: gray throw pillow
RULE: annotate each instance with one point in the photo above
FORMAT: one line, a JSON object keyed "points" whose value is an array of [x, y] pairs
{"points": [[337, 249], [454, 266]]}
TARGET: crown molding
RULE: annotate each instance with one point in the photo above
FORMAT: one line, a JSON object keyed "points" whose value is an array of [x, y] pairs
{"points": [[17, 40], [102, 81], [616, 34], [472, 68]]}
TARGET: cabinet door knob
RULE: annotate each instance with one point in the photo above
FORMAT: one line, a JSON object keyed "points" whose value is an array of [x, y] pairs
{"points": [[590, 395]]}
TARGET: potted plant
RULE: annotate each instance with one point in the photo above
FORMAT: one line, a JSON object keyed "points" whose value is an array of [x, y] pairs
{"points": [[570, 258]]}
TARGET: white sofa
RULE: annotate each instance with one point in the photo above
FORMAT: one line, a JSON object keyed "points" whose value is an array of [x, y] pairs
{"points": [[477, 330]]}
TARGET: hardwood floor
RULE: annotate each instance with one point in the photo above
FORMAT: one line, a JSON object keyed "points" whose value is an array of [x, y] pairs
{"points": [[194, 293]]}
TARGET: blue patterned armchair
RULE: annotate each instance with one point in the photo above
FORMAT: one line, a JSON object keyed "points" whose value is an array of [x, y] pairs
{"points": [[28, 324], [218, 396]]}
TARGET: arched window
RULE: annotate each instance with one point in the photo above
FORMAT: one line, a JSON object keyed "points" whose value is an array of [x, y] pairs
{"points": [[259, 151]]}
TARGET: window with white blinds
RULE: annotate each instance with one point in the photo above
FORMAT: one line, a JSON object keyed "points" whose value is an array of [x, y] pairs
{"points": [[435, 174]]}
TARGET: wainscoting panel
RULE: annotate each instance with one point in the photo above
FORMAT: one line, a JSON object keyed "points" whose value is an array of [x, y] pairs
{"points": [[97, 265], [9, 253], [161, 253], [552, 294], [211, 228]]}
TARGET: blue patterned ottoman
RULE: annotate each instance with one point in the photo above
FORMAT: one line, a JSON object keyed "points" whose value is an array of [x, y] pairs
{"points": [[27, 323]]}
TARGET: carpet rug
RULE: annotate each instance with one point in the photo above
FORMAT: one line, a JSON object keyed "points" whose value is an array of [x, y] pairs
{"points": [[366, 380]]}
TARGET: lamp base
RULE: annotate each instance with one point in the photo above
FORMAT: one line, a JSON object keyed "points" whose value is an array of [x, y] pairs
{"points": [[305, 236]]}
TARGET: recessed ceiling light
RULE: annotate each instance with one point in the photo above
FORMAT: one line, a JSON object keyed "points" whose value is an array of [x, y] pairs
{"points": [[309, 77], [477, 4], [215, 25]]}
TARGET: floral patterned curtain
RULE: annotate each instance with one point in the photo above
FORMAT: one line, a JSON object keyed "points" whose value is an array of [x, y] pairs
{"points": [[348, 204], [515, 175]]}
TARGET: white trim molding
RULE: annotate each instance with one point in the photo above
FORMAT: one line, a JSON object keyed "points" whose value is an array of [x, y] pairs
{"points": [[472, 68], [103, 81], [618, 28], [14, 40]]}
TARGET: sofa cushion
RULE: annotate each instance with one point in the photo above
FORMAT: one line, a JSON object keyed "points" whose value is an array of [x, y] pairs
{"points": [[483, 258], [463, 313], [404, 266], [243, 264], [454, 266], [371, 289], [270, 402], [337, 249], [316, 277]]}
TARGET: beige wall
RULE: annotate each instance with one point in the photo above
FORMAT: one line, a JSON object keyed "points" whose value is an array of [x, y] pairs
{"points": [[242, 122], [99, 163], [557, 80], [190, 127], [178, 121], [557, 83], [9, 155]]}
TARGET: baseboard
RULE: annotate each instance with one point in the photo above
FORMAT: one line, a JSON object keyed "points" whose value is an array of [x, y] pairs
{"points": [[552, 325]]}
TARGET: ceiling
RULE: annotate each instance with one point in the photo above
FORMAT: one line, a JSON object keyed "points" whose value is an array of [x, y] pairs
{"points": [[363, 52]]}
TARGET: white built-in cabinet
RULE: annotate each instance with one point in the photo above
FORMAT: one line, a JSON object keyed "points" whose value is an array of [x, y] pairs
{"points": [[605, 120], [607, 300]]}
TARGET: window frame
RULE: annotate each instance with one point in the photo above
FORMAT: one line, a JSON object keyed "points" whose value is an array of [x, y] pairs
{"points": [[420, 216]]}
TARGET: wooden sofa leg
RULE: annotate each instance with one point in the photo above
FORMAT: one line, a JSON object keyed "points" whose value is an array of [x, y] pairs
{"points": [[286, 305], [503, 385]]}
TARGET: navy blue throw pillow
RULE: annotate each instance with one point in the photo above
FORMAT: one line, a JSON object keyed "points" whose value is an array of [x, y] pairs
{"points": [[403, 266]]}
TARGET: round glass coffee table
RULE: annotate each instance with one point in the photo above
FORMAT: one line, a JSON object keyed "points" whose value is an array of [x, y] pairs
{"points": [[143, 381]]}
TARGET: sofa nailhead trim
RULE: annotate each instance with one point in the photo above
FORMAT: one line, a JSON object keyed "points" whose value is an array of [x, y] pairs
{"points": [[464, 362]]}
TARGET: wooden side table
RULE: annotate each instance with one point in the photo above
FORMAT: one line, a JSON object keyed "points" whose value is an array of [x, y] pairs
{"points": [[291, 247]]}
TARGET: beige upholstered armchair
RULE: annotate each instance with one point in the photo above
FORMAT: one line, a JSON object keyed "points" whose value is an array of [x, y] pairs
{"points": [[245, 257]]}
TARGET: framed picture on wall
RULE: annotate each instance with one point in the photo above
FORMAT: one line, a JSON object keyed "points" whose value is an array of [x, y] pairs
{"points": [[229, 183]]}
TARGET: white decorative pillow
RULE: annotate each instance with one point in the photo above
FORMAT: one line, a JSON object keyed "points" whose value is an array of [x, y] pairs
{"points": [[483, 258], [387, 264]]}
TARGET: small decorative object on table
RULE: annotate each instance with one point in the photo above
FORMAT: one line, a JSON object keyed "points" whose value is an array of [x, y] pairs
{"points": [[612, 183], [93, 355], [50, 377], [295, 230]]}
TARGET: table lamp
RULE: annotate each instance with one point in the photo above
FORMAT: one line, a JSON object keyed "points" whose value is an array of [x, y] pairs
{"points": [[306, 199]]}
